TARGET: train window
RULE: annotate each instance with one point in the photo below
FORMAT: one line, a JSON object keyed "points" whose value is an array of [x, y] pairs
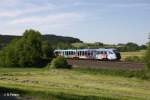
{"points": [[67, 53], [72, 53], [56, 53], [85, 52], [81, 53], [64, 53], [101, 52], [78, 53], [105, 52], [116, 51], [110, 52], [98, 52], [89, 54]]}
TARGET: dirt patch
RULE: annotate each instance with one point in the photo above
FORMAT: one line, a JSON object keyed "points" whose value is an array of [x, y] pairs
{"points": [[106, 64]]}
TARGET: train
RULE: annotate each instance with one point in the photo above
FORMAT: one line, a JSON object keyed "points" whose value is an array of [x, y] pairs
{"points": [[110, 54]]}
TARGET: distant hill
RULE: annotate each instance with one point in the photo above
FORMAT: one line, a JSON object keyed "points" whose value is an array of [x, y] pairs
{"points": [[52, 39], [57, 39]]}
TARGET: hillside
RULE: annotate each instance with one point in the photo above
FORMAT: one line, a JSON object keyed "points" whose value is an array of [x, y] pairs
{"points": [[53, 39]]}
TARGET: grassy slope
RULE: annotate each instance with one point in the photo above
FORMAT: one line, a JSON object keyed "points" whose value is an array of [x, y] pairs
{"points": [[74, 84], [127, 54]]}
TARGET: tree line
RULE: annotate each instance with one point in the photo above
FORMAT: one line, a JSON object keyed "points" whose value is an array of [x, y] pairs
{"points": [[54, 40], [130, 46]]}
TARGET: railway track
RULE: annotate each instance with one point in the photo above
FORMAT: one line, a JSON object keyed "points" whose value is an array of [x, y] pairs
{"points": [[106, 64]]}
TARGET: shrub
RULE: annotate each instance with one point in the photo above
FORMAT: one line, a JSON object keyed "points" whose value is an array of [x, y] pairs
{"points": [[59, 62], [134, 59], [147, 58]]}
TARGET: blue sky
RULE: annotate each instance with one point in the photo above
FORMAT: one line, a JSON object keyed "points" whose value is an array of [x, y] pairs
{"points": [[108, 21]]}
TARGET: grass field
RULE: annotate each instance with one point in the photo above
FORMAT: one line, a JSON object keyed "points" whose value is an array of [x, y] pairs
{"points": [[73, 85], [128, 54]]}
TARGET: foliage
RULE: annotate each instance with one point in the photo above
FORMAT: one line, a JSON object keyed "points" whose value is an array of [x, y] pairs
{"points": [[121, 47], [142, 47], [8, 55], [24, 52], [147, 57], [88, 45], [132, 46], [59, 62], [47, 50], [63, 46], [129, 47], [53, 40], [134, 59]]}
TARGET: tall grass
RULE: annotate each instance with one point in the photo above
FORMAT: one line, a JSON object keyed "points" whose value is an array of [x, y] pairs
{"points": [[142, 74]]}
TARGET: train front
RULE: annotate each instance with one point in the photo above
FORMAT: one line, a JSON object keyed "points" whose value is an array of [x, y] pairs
{"points": [[117, 53]]}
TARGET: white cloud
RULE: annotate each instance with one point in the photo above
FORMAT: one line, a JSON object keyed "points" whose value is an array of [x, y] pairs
{"points": [[8, 14], [49, 19], [130, 5], [20, 8], [4, 4]]}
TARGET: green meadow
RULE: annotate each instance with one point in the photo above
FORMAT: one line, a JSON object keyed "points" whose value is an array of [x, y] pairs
{"points": [[140, 53], [72, 84]]}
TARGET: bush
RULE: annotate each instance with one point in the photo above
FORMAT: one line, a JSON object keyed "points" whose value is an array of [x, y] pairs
{"points": [[134, 59], [59, 62], [147, 58]]}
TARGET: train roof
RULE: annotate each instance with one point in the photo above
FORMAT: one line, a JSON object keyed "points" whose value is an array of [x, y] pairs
{"points": [[99, 49]]}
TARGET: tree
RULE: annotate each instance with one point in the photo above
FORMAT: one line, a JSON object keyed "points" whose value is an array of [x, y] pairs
{"points": [[64, 46], [147, 56], [47, 50], [23, 52], [99, 44], [31, 43], [142, 47], [132, 46], [8, 55]]}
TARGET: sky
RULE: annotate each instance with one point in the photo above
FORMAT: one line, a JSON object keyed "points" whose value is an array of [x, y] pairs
{"points": [[107, 21]]}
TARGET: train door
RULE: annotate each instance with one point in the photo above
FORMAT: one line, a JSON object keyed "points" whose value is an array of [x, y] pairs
{"points": [[102, 55]]}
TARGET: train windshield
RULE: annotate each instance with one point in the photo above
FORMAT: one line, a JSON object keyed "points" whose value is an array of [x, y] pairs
{"points": [[116, 51], [117, 54]]}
